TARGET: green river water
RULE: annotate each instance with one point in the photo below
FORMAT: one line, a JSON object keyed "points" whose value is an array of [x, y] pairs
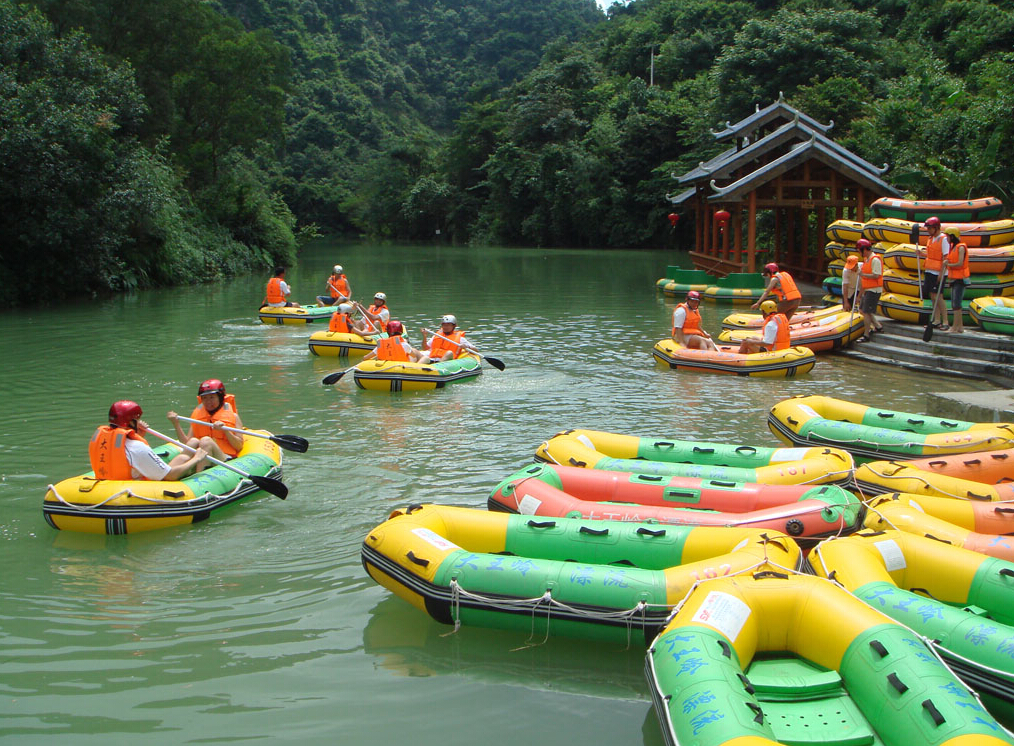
{"points": [[260, 624]]}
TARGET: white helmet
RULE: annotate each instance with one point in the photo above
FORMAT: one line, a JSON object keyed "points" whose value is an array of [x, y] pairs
{"points": [[345, 308], [338, 269], [381, 296], [449, 318]]}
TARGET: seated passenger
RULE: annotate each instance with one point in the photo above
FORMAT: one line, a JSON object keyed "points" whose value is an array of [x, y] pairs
{"points": [[394, 347], [343, 323], [446, 344], [686, 325], [774, 333], [218, 409]]}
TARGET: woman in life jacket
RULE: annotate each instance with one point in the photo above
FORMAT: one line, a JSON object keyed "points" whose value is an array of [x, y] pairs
{"points": [[119, 451], [395, 346], [218, 409]]}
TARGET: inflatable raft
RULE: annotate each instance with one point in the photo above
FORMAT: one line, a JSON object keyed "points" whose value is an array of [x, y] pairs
{"points": [[993, 314], [737, 288], [104, 506], [998, 260], [903, 282], [563, 576], [870, 434], [801, 511], [775, 658], [944, 519], [755, 321], [391, 375], [877, 477], [973, 235], [728, 361], [592, 449], [679, 282], [342, 344], [845, 232], [293, 315], [959, 600], [948, 210], [914, 311], [828, 332]]}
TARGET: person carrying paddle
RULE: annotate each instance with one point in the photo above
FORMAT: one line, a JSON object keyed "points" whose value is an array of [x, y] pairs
{"points": [[338, 288], [774, 334], [937, 248], [218, 410], [959, 272], [394, 347], [446, 344], [278, 291], [871, 281], [686, 325], [781, 286], [849, 281], [378, 313], [119, 451], [343, 323]]}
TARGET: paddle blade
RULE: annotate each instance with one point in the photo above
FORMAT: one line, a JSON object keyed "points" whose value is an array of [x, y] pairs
{"points": [[334, 377], [927, 333], [495, 362], [913, 234], [274, 486], [291, 442]]}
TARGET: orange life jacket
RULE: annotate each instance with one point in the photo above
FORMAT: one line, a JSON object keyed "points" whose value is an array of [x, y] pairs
{"points": [[107, 452], [375, 309], [692, 323], [340, 323], [439, 345], [872, 282], [783, 341], [274, 291], [226, 414], [935, 253], [390, 348], [786, 289], [962, 270], [339, 288]]}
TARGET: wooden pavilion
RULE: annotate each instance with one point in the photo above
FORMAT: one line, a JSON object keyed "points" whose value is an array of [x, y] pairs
{"points": [[783, 170]]}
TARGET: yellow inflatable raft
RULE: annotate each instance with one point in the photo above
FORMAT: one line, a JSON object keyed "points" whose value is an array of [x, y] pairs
{"points": [[593, 449], [845, 232], [973, 235], [341, 344], [826, 331], [104, 506], [878, 477], [869, 433], [293, 315]]}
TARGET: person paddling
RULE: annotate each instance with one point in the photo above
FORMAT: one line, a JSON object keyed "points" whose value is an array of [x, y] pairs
{"points": [[218, 409], [446, 344], [338, 288]]}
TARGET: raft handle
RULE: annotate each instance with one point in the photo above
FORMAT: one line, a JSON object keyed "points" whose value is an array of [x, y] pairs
{"points": [[575, 462], [663, 444], [413, 508], [999, 456], [759, 717], [946, 423], [723, 484], [542, 524], [642, 531], [648, 478], [593, 531], [1007, 571], [770, 574], [169, 493], [885, 414], [878, 648], [898, 684], [1003, 510], [726, 650], [791, 421], [751, 449], [931, 536], [747, 686], [698, 449], [941, 462], [974, 496], [928, 705], [913, 421], [417, 560], [972, 462]]}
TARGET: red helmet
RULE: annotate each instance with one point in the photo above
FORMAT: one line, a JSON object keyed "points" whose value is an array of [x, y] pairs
{"points": [[394, 328], [862, 244], [693, 295], [211, 386], [932, 221], [770, 268], [122, 413]]}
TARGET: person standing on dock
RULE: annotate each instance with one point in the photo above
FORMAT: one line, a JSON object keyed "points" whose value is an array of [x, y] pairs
{"points": [[937, 249], [781, 286], [849, 282], [686, 325], [871, 280], [958, 271]]}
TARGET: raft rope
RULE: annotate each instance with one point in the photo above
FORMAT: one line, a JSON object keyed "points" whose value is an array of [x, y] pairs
{"points": [[628, 615], [824, 439], [122, 493]]}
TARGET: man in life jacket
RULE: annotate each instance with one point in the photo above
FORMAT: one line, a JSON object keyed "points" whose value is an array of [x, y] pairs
{"points": [[338, 288], [218, 409], [278, 291], [871, 283], [781, 286], [774, 333], [343, 323], [394, 346], [686, 325], [938, 246], [378, 313], [446, 344], [958, 271], [119, 451]]}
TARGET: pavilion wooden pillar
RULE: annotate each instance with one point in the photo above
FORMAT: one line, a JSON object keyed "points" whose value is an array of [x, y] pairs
{"points": [[737, 248], [751, 238]]}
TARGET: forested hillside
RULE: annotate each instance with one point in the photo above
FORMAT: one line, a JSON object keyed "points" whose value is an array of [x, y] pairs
{"points": [[146, 142]]}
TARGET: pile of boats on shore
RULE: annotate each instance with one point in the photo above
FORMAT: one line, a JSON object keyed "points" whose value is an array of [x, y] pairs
{"points": [[855, 586]]}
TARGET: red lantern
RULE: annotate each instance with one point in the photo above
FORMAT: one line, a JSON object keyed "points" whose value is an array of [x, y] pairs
{"points": [[673, 219], [722, 217]]}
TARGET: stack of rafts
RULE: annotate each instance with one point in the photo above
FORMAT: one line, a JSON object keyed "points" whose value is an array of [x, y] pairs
{"points": [[990, 245], [784, 596]]}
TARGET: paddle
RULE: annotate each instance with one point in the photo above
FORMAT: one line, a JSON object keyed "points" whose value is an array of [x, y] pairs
{"points": [[913, 237], [274, 486], [494, 361], [288, 442], [334, 377], [927, 333]]}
